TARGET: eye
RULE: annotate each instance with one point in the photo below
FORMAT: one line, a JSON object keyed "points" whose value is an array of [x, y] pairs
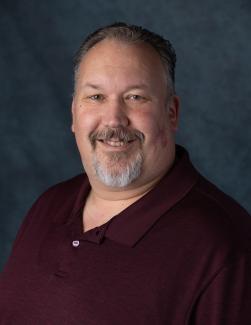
{"points": [[97, 97], [136, 97]]}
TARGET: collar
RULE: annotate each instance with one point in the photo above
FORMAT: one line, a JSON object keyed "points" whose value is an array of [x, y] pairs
{"points": [[129, 226]]}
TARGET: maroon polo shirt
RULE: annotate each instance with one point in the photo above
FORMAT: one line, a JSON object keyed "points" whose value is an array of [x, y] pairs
{"points": [[179, 255]]}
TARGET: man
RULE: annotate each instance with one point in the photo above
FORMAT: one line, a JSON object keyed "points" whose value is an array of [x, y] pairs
{"points": [[142, 238]]}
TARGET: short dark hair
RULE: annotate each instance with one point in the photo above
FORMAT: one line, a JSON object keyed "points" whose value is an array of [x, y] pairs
{"points": [[132, 34]]}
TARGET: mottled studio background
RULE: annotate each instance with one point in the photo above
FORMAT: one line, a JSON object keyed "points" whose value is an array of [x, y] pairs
{"points": [[37, 41]]}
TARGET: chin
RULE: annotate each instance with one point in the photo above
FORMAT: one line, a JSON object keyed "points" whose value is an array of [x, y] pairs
{"points": [[119, 172]]}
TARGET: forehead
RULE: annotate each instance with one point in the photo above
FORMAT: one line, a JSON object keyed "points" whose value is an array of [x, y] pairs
{"points": [[125, 57], [108, 47]]}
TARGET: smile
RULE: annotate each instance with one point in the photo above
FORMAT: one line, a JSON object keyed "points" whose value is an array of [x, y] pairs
{"points": [[116, 144]]}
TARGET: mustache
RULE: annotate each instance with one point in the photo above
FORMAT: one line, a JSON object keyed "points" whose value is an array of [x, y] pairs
{"points": [[120, 134]]}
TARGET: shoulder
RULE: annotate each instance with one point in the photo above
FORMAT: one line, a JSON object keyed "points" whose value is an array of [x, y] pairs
{"points": [[67, 187], [217, 198], [216, 203], [218, 217], [59, 197], [206, 227]]}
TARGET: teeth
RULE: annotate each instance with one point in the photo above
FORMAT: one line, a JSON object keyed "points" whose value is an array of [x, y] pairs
{"points": [[116, 143]]}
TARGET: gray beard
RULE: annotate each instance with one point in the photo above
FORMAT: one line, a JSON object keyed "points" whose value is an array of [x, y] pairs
{"points": [[119, 173]]}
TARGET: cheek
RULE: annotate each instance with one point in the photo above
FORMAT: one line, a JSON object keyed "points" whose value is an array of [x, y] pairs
{"points": [[155, 129], [162, 130], [163, 138], [85, 122]]}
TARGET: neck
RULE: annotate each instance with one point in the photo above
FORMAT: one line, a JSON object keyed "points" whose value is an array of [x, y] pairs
{"points": [[101, 206], [105, 202], [112, 195]]}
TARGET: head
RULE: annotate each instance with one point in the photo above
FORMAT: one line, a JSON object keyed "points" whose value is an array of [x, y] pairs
{"points": [[124, 107]]}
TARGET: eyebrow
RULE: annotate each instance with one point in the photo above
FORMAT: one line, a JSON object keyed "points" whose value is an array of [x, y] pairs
{"points": [[138, 86], [131, 87], [90, 85]]}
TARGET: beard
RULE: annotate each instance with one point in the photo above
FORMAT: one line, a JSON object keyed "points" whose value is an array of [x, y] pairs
{"points": [[117, 169]]}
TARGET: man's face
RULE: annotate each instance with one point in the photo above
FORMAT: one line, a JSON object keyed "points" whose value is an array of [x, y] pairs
{"points": [[123, 118]]}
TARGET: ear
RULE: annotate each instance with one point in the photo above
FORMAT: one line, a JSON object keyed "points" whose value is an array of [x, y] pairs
{"points": [[173, 112], [72, 114]]}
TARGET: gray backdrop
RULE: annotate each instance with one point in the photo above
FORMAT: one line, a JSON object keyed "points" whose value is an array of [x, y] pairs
{"points": [[37, 41]]}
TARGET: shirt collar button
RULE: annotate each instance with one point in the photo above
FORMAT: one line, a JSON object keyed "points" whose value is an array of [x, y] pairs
{"points": [[75, 243]]}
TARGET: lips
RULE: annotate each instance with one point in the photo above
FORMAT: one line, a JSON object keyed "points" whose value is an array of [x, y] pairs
{"points": [[117, 138], [115, 143]]}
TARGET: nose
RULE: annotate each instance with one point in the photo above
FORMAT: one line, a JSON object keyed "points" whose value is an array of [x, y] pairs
{"points": [[115, 114]]}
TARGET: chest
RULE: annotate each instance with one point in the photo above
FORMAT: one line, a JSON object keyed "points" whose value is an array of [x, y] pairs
{"points": [[94, 284]]}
